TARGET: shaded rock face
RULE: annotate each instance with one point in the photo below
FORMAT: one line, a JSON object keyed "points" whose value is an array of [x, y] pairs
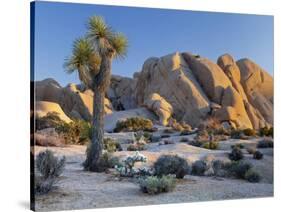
{"points": [[210, 76], [233, 109], [120, 93], [74, 100], [160, 107], [232, 71], [172, 79]]}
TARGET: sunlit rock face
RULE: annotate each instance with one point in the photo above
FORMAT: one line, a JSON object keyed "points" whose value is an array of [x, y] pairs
{"points": [[181, 86], [75, 101], [171, 78]]}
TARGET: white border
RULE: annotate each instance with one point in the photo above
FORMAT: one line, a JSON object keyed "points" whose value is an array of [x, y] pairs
{"points": [[14, 22]]}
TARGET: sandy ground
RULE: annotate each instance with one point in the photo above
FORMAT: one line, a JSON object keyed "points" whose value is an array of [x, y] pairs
{"points": [[78, 189]]}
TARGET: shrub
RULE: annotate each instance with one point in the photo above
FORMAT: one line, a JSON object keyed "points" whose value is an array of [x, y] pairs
{"points": [[220, 168], [111, 145], [236, 154], [241, 146], [265, 143], [252, 176], [134, 124], [51, 120], [107, 161], [42, 185], [249, 132], [236, 134], [171, 164], [147, 136], [265, 131], [184, 140], [166, 142], [48, 165], [199, 167], [251, 150], [165, 136], [210, 145], [196, 143], [257, 155], [239, 168], [155, 185], [136, 147], [169, 131], [49, 168], [75, 132]]}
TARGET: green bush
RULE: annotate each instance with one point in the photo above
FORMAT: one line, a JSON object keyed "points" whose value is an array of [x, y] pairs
{"points": [[171, 164], [265, 131], [249, 132], [111, 145], [236, 154], [252, 176], [239, 168], [155, 185], [134, 124], [265, 143], [49, 165], [236, 134], [51, 120], [210, 145], [257, 155], [199, 167], [76, 132]]}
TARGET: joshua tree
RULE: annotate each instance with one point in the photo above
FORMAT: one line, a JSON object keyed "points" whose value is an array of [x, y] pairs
{"points": [[92, 57]]}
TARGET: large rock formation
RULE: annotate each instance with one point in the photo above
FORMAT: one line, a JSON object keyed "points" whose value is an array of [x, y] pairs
{"points": [[172, 79], [74, 100], [180, 86], [43, 108]]}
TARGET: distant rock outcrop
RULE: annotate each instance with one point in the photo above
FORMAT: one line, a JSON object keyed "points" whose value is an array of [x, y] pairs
{"points": [[180, 86], [74, 101], [44, 107]]}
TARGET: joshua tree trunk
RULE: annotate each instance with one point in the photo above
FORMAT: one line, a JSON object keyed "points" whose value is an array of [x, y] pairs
{"points": [[100, 84]]}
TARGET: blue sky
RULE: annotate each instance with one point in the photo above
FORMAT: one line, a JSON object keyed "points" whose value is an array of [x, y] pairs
{"points": [[151, 32]]}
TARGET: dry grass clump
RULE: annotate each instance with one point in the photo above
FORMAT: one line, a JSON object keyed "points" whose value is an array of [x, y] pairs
{"points": [[134, 124]]}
